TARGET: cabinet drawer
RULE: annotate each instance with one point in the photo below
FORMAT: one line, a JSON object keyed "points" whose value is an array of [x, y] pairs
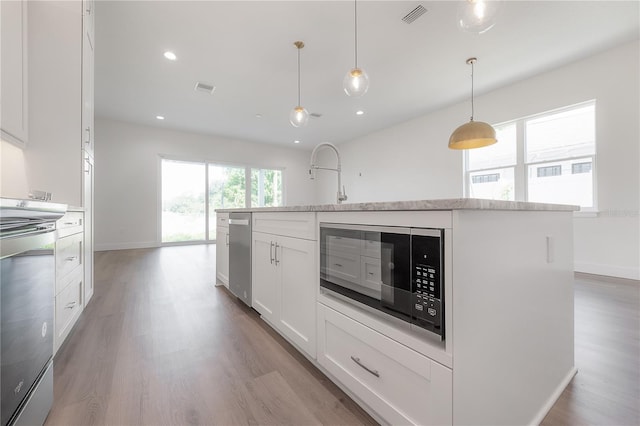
{"points": [[68, 308], [71, 223], [68, 254], [290, 224], [401, 385], [222, 219]]}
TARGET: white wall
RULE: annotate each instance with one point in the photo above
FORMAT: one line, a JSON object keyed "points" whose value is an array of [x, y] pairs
{"points": [[412, 161], [13, 172], [127, 175]]}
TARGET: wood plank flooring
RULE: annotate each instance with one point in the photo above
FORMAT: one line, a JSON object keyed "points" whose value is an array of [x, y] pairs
{"points": [[158, 344]]}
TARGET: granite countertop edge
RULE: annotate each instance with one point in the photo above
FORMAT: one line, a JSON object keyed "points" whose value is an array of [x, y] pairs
{"points": [[414, 205]]}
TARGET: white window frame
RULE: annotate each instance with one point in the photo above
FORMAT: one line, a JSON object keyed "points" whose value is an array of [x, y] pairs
{"points": [[521, 176]]}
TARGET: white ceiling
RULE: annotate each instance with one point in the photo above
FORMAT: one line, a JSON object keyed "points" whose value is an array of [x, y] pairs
{"points": [[245, 49]]}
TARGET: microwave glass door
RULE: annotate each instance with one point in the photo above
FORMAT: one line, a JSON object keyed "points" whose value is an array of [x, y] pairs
{"points": [[369, 265]]}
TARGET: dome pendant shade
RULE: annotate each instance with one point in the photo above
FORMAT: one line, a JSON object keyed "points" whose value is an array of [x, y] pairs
{"points": [[356, 82], [299, 116], [474, 134]]}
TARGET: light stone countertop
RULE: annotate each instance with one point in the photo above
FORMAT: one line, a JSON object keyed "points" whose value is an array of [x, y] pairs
{"points": [[415, 205]]}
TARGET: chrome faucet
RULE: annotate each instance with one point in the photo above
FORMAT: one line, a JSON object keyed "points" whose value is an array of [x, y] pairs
{"points": [[342, 195]]}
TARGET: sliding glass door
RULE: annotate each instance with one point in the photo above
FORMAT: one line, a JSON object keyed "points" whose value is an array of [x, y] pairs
{"points": [[183, 201], [192, 191], [226, 190]]}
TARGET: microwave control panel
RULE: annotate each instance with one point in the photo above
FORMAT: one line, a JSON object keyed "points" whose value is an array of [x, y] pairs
{"points": [[426, 282]]}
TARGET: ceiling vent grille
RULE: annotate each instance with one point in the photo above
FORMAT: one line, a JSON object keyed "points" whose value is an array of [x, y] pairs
{"points": [[414, 14], [203, 87]]}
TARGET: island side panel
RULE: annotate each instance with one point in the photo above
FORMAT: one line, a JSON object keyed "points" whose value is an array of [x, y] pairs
{"points": [[513, 329]]}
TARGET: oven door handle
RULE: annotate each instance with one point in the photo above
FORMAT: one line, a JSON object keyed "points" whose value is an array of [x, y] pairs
{"points": [[21, 244]]}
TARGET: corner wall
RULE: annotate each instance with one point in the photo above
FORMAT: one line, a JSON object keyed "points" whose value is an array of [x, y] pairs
{"points": [[412, 161], [127, 186]]}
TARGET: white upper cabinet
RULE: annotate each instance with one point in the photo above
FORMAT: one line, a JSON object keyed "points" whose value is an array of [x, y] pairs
{"points": [[14, 72], [88, 76]]}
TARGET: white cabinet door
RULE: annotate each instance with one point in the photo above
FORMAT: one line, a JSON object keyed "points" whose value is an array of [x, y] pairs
{"points": [[87, 203], [222, 255], [88, 77], [265, 289], [14, 76], [296, 260]]}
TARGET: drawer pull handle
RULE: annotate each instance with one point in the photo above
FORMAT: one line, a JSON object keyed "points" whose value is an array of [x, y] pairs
{"points": [[370, 273], [71, 258], [70, 223], [338, 265], [271, 252], [357, 361], [70, 305]]}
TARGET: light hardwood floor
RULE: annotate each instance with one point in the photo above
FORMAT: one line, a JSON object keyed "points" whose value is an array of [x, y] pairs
{"points": [[159, 344]]}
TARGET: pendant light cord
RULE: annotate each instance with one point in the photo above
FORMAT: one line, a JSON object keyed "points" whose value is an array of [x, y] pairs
{"points": [[355, 19], [299, 76], [472, 110]]}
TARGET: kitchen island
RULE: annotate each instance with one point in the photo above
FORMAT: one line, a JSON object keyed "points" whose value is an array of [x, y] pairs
{"points": [[505, 352]]}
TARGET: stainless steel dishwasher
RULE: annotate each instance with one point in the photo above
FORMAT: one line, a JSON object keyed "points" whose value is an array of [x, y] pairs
{"points": [[240, 256]]}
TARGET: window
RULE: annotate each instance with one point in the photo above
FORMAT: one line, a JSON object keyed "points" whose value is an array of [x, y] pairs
{"points": [[192, 191], [544, 158]]}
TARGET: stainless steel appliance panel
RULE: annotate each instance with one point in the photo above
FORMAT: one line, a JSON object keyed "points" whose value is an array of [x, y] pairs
{"points": [[240, 256], [27, 277]]}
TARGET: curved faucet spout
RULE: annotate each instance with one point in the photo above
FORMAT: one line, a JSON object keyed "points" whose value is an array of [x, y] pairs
{"points": [[341, 196]]}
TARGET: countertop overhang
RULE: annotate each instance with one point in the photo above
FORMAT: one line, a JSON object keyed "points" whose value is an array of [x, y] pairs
{"points": [[415, 205]]}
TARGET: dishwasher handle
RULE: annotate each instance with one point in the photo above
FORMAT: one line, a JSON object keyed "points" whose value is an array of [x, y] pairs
{"points": [[241, 222]]}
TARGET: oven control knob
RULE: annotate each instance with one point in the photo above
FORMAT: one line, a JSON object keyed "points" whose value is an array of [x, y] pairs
{"points": [[44, 329]]}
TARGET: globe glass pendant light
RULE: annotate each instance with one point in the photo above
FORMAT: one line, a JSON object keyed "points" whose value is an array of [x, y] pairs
{"points": [[298, 116], [474, 134], [477, 16], [356, 82]]}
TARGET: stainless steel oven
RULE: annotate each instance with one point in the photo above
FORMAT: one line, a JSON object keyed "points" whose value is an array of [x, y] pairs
{"points": [[27, 272], [392, 271]]}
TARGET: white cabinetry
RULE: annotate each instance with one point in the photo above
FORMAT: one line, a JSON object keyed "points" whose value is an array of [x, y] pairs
{"points": [[87, 202], [284, 277], [69, 295], [87, 76], [14, 75], [222, 248], [402, 385]]}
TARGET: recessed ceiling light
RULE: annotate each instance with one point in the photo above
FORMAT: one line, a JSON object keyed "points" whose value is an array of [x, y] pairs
{"points": [[170, 55], [359, 112], [296, 141], [258, 115], [160, 117]]}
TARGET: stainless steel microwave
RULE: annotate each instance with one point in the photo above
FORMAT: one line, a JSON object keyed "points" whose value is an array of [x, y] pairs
{"points": [[392, 271]]}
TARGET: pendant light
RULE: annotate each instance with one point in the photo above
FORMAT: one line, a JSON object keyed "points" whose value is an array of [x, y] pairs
{"points": [[356, 82], [299, 116], [474, 134], [477, 16]]}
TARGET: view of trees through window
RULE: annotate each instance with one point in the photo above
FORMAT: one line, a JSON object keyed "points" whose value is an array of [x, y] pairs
{"points": [[192, 191]]}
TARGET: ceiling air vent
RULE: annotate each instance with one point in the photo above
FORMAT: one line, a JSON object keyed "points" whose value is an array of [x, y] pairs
{"points": [[414, 14], [204, 87], [315, 115]]}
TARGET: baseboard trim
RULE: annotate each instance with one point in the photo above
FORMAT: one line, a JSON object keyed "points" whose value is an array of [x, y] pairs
{"points": [[554, 397], [125, 246], [630, 273]]}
